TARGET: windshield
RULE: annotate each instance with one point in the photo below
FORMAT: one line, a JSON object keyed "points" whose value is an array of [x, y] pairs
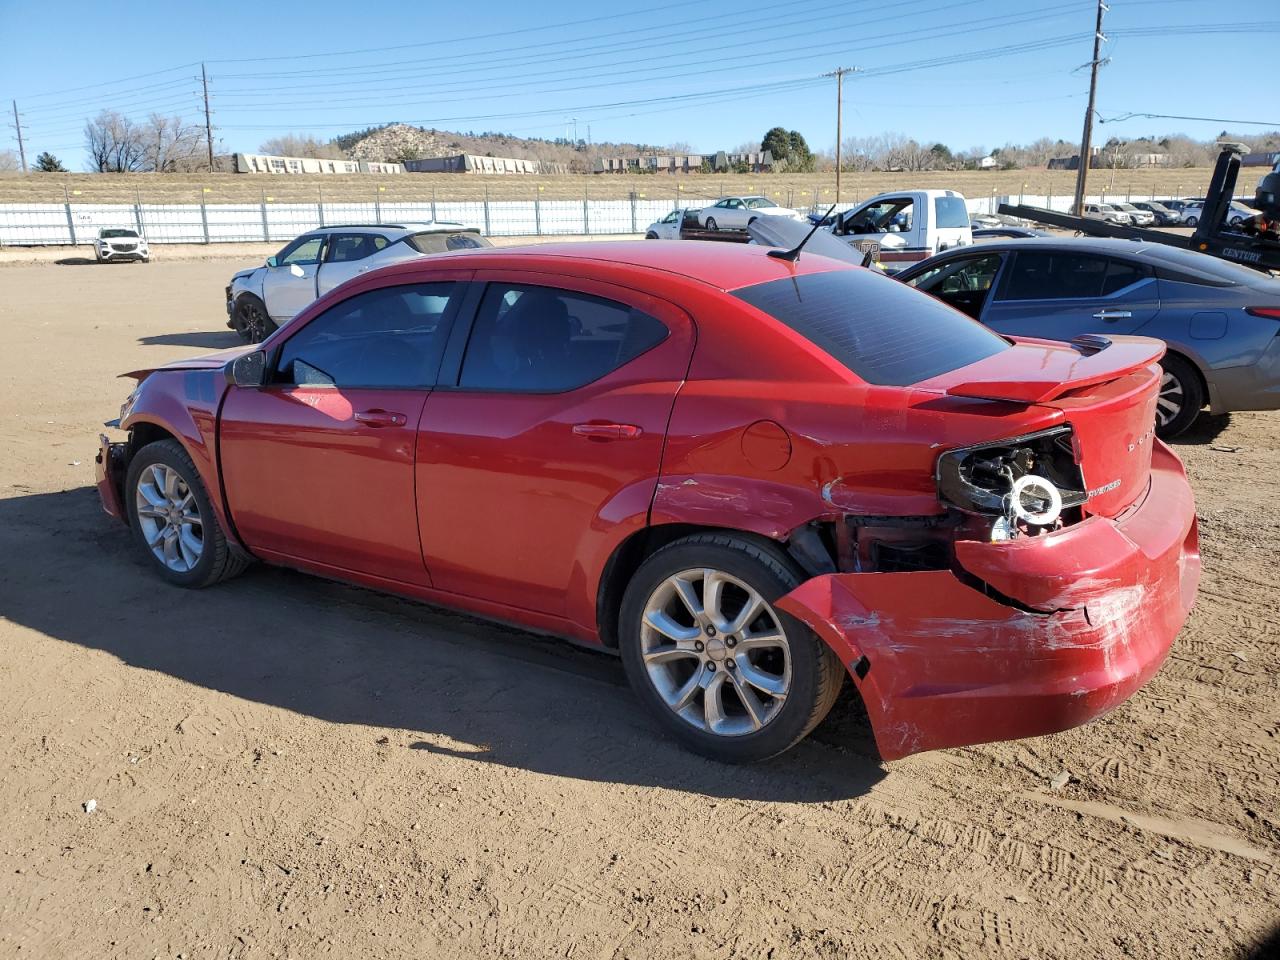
{"points": [[884, 331], [755, 203], [117, 234]]}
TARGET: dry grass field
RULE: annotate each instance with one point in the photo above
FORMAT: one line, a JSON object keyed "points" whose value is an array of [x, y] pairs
{"points": [[795, 189]]}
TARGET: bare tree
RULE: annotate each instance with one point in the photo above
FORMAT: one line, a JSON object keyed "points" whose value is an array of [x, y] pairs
{"points": [[114, 143], [8, 161], [299, 145], [171, 146]]}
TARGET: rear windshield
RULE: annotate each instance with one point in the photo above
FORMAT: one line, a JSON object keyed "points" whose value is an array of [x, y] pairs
{"points": [[951, 212], [442, 242], [884, 331]]}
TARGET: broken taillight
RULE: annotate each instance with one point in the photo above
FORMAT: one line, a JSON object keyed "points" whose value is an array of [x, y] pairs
{"points": [[1026, 484]]}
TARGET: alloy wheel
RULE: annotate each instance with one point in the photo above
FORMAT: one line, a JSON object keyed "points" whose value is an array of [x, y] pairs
{"points": [[715, 652], [169, 517], [254, 323], [1172, 397]]}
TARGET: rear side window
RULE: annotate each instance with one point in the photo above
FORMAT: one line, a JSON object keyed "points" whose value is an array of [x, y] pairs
{"points": [[950, 212], [1054, 275], [546, 340], [346, 247], [884, 331], [1051, 275]]}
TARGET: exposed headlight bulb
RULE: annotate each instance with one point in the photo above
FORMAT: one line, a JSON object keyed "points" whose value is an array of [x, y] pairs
{"points": [[1002, 529]]}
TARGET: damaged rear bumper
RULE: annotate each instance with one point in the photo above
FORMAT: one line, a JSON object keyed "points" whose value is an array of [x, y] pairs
{"points": [[109, 466], [1085, 617]]}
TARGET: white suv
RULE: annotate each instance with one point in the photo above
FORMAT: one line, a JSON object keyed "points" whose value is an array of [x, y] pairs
{"points": [[120, 243], [261, 299]]}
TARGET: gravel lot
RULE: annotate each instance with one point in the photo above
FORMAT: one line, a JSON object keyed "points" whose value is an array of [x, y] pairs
{"points": [[284, 767]]}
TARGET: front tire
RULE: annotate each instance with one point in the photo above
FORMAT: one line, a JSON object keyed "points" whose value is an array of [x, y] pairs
{"points": [[173, 520], [711, 223], [1181, 397], [725, 672], [651, 235], [253, 322]]}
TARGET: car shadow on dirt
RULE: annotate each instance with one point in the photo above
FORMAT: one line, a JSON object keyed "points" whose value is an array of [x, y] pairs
{"points": [[89, 262], [1206, 429], [423, 678], [217, 340]]}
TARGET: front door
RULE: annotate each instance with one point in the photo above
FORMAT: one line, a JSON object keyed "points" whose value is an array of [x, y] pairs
{"points": [[1059, 295], [319, 463], [551, 438], [290, 284]]}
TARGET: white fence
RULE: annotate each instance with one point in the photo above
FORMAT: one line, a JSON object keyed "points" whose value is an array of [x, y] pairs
{"points": [[42, 224]]}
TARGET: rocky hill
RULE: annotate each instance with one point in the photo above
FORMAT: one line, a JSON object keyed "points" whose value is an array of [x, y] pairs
{"points": [[401, 141]]}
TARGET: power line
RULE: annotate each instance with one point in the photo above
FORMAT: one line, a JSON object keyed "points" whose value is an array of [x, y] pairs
{"points": [[591, 81], [1172, 116]]}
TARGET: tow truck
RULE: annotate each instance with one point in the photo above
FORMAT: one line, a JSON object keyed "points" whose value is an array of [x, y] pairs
{"points": [[1253, 243]]}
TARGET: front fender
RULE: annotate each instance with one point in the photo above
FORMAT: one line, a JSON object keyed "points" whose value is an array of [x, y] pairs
{"points": [[184, 404]]}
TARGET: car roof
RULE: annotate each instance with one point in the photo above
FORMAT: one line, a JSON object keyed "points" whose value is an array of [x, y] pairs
{"points": [[397, 229], [1209, 269], [725, 266]]}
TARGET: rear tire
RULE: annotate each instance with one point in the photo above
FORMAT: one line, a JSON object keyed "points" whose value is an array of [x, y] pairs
{"points": [[1181, 397], [173, 520], [1192, 221], [737, 692]]}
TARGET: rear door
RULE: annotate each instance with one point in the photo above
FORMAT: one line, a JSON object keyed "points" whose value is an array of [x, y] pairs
{"points": [[1056, 294], [550, 442], [290, 285], [347, 256]]}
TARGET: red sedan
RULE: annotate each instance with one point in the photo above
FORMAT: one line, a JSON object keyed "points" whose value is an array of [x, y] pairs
{"points": [[748, 476]]}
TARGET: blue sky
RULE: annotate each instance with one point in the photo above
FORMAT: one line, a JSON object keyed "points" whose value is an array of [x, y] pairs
{"points": [[966, 72]]}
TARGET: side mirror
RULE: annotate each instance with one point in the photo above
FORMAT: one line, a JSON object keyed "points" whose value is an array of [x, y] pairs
{"points": [[247, 370], [272, 261]]}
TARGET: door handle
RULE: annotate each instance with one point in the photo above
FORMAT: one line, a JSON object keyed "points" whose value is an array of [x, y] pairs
{"points": [[381, 418], [1113, 315], [607, 431]]}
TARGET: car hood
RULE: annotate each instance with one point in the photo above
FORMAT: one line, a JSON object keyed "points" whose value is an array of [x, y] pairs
{"points": [[209, 361]]}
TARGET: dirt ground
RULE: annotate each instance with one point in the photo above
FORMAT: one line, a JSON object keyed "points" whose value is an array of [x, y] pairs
{"points": [[284, 767]]}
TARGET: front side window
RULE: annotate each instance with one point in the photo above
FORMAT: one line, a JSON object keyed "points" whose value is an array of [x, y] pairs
{"points": [[879, 328], [884, 217], [547, 340], [672, 217], [389, 337], [973, 275], [303, 251]]}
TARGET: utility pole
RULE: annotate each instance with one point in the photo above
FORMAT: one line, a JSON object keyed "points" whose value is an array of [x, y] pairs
{"points": [[839, 73], [17, 126], [208, 125], [1086, 138]]}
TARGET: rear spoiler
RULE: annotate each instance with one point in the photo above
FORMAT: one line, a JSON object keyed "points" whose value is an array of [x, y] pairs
{"points": [[1101, 359]]}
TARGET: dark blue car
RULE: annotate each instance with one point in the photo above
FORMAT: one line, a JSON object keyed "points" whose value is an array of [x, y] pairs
{"points": [[1221, 321]]}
